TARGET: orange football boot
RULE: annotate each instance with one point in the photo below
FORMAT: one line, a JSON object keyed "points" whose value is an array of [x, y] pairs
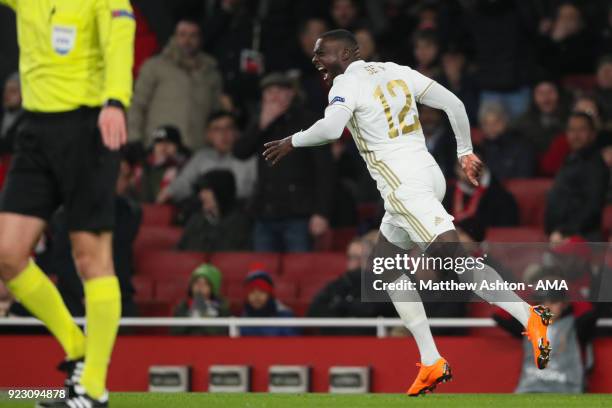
{"points": [[429, 377], [537, 326]]}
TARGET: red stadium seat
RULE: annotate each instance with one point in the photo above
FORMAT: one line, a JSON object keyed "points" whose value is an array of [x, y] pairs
{"points": [[516, 234], [154, 308], [530, 195], [154, 237], [341, 237], [299, 307], [308, 290], [367, 211], [238, 264], [583, 83], [305, 267], [335, 240], [171, 291], [143, 288], [157, 214], [168, 264]]}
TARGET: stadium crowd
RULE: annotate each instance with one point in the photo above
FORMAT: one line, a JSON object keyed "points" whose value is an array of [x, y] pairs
{"points": [[216, 79]]}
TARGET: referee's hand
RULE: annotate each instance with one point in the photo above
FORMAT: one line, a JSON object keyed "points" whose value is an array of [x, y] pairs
{"points": [[111, 123]]}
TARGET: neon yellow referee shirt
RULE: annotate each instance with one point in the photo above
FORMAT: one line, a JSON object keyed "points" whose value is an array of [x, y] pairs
{"points": [[74, 53]]}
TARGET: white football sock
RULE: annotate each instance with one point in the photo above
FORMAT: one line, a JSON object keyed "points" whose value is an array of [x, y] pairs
{"points": [[414, 317], [506, 299]]}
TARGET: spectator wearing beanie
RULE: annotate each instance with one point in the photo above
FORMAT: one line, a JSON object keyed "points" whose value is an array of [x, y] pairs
{"points": [[203, 300], [167, 157], [261, 302], [219, 225]]}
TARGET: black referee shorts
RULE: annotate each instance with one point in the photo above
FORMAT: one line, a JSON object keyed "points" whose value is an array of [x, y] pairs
{"points": [[60, 159]]}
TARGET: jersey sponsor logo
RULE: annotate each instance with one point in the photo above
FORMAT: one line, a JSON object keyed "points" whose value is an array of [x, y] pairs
{"points": [[122, 13], [337, 99], [63, 38]]}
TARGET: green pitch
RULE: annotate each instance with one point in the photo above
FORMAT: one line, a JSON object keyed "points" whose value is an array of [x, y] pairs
{"points": [[188, 400]]}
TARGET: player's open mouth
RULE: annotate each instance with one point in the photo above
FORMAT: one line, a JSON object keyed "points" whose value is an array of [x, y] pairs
{"points": [[323, 72]]}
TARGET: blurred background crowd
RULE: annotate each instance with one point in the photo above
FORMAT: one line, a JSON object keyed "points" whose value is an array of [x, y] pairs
{"points": [[216, 79]]}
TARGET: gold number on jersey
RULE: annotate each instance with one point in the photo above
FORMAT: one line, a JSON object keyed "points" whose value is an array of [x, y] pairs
{"points": [[406, 128]]}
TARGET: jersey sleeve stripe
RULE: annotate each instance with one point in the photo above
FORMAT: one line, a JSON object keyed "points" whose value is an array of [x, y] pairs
{"points": [[419, 96]]}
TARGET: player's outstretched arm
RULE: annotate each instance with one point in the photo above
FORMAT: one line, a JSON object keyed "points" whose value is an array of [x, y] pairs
{"points": [[324, 131]]}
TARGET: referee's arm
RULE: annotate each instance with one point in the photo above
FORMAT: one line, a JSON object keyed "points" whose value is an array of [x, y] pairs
{"points": [[116, 28]]}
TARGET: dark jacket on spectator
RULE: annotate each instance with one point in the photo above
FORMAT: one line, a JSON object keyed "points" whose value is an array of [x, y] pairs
{"points": [[508, 156], [231, 232], [342, 298], [227, 230], [503, 53], [273, 308], [494, 205], [575, 54], [539, 129], [576, 200], [300, 185]]}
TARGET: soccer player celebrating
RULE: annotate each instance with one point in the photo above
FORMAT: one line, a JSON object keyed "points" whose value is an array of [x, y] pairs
{"points": [[377, 102], [76, 72]]}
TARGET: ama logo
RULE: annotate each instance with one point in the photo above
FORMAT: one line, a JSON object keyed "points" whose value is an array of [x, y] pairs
{"points": [[337, 99]]}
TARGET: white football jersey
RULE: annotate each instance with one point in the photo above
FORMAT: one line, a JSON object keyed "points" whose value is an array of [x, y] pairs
{"points": [[382, 97]]}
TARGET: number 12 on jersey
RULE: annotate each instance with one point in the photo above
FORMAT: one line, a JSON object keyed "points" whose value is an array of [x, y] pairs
{"points": [[406, 128]]}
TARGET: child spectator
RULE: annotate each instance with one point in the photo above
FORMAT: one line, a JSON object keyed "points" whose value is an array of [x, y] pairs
{"points": [[203, 300], [261, 302]]}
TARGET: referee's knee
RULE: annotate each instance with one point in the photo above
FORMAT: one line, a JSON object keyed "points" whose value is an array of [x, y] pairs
{"points": [[91, 265], [13, 260]]}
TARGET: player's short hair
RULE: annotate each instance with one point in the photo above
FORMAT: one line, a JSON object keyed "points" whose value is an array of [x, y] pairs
{"points": [[345, 36], [589, 118]]}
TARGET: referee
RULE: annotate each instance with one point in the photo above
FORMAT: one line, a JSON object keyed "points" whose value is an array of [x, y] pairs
{"points": [[76, 70]]}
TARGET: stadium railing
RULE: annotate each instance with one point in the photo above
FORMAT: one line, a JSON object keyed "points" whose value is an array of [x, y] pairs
{"points": [[234, 323]]}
